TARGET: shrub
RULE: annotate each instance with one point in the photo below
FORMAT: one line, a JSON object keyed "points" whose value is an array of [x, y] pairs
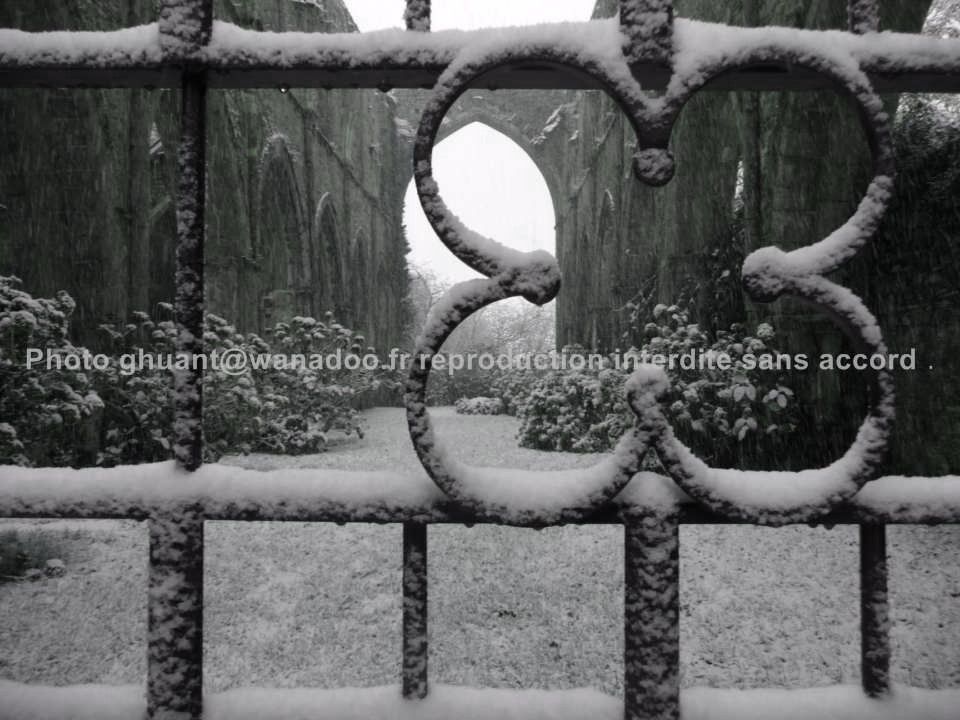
{"points": [[138, 406], [47, 412], [723, 414], [575, 411], [514, 386], [119, 413], [479, 406], [446, 387], [289, 407]]}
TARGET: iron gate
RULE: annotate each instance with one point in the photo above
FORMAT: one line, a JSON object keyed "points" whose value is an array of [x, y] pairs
{"points": [[645, 50]]}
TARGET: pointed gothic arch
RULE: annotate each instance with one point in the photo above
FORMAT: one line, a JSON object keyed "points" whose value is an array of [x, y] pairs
{"points": [[280, 235], [327, 258]]}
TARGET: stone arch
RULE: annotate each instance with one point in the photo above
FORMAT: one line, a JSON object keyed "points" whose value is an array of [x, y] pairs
{"points": [[458, 120], [361, 261], [497, 118], [327, 257], [604, 250], [608, 206], [277, 179], [280, 246]]}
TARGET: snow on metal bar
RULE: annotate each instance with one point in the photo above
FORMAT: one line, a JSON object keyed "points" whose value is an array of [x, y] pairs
{"points": [[648, 30], [175, 618], [651, 616], [863, 16], [249, 58], [191, 190], [226, 492], [417, 15], [910, 499], [185, 27], [415, 638], [874, 611], [233, 47], [222, 491], [126, 702], [128, 48]]}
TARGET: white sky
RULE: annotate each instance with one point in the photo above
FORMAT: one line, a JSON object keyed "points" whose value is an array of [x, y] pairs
{"points": [[494, 187], [484, 177], [470, 14]]}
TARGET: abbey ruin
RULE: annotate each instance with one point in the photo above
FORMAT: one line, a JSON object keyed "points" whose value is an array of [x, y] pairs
{"points": [[306, 191]]}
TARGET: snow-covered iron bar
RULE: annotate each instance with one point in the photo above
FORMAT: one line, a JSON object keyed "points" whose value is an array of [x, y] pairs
{"points": [[237, 57], [646, 48], [225, 492]]}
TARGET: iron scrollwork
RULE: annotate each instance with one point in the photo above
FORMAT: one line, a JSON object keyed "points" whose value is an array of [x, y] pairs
{"points": [[768, 274]]}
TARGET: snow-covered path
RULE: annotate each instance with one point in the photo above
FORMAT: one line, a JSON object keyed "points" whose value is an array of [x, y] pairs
{"points": [[319, 605]]}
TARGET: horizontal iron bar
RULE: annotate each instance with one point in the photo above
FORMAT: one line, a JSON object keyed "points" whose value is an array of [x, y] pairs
{"points": [[227, 492], [540, 77], [874, 612], [439, 515], [233, 56]]}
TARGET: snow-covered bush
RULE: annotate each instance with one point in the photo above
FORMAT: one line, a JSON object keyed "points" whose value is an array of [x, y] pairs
{"points": [[120, 410], [45, 414], [446, 387], [514, 386], [138, 405], [309, 401], [509, 386], [722, 414], [287, 405], [479, 406], [575, 411]]}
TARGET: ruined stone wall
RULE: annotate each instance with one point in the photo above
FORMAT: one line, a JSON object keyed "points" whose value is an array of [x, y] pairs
{"points": [[304, 204], [619, 240]]}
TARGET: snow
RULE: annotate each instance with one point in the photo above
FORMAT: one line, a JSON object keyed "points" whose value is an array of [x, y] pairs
{"points": [[222, 489], [228, 491], [128, 47], [648, 27], [840, 702], [125, 702], [695, 43], [912, 499], [523, 496]]}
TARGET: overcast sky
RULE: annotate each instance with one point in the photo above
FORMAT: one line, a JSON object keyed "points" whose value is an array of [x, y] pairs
{"points": [[494, 187], [469, 14], [484, 177]]}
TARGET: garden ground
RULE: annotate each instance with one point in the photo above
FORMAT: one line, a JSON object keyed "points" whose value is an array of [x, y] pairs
{"points": [[319, 605]]}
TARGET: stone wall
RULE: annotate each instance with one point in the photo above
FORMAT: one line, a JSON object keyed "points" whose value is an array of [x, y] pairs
{"points": [[304, 201], [805, 163]]}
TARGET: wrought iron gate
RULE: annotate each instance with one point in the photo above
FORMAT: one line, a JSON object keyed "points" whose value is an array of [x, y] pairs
{"points": [[646, 49]]}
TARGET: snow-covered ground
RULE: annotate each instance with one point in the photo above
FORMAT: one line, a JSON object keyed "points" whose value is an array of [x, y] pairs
{"points": [[318, 605]]}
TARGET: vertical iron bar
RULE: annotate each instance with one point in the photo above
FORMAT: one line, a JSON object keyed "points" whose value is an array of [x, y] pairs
{"points": [[648, 29], [188, 383], [175, 617], [175, 645], [417, 15], [863, 16], [651, 681], [874, 611], [415, 647], [175, 601]]}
